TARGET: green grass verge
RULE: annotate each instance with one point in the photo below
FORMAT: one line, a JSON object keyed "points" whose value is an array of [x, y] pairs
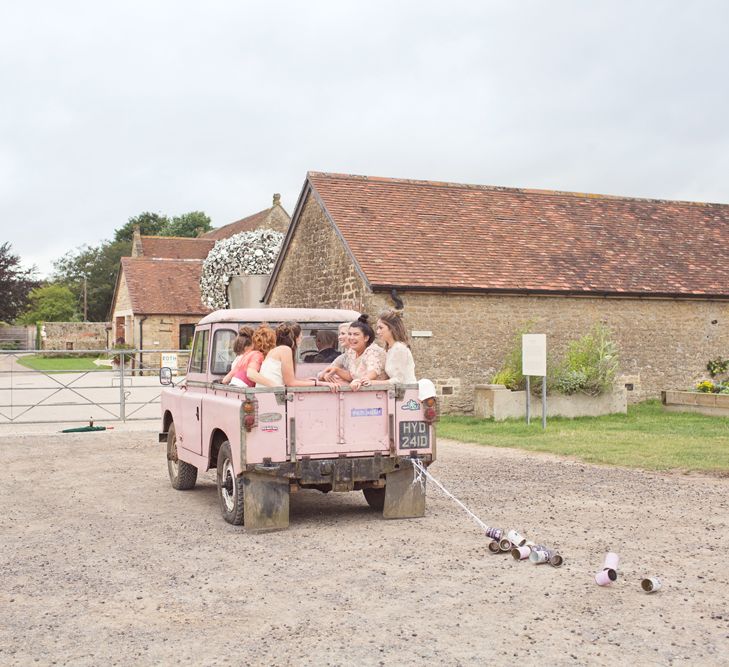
{"points": [[647, 437], [58, 364]]}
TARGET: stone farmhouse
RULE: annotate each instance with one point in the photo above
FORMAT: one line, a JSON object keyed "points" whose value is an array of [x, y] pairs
{"points": [[471, 265], [156, 301]]}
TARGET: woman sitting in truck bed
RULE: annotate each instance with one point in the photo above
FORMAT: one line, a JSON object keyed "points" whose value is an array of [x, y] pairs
{"points": [[279, 366], [255, 345], [364, 361]]}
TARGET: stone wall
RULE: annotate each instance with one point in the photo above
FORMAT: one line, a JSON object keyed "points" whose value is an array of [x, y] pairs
{"points": [[317, 271], [663, 343], [74, 336]]}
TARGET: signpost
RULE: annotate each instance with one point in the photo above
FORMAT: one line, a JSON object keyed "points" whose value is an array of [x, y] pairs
{"points": [[534, 362]]}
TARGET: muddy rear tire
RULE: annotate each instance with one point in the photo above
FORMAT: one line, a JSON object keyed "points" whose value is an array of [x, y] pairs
{"points": [[230, 487], [375, 498], [182, 475]]}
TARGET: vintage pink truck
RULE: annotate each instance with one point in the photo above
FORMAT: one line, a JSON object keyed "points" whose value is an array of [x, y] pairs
{"points": [[269, 442]]}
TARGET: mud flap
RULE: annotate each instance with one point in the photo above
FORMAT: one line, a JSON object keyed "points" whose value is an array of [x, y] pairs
{"points": [[404, 497], [265, 502]]}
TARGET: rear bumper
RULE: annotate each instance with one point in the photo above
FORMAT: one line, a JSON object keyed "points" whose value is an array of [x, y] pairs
{"points": [[342, 474]]}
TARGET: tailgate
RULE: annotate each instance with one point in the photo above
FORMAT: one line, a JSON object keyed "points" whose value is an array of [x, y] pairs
{"points": [[345, 423]]}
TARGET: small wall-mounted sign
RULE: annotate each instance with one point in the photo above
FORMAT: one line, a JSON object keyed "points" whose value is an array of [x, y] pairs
{"points": [[421, 334]]}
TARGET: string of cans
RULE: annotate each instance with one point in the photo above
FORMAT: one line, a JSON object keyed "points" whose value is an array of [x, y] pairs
{"points": [[521, 548]]}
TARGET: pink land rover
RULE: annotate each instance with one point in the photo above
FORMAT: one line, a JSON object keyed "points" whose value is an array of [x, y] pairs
{"points": [[269, 442]]}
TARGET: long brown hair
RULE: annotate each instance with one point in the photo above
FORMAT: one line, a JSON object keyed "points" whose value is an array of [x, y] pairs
{"points": [[287, 333], [243, 340], [264, 339], [392, 320]]}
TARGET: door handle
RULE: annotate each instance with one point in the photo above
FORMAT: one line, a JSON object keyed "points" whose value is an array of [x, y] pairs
{"points": [[197, 413]]}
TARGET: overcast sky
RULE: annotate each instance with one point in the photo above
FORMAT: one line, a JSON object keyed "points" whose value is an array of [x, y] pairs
{"points": [[108, 109]]}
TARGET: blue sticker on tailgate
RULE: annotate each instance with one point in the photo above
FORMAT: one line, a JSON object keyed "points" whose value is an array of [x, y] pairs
{"points": [[414, 435], [366, 412]]}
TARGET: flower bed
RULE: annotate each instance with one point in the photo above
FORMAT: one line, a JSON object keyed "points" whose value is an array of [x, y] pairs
{"points": [[693, 401], [497, 402]]}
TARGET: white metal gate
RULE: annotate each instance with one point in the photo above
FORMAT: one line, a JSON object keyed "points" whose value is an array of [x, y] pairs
{"points": [[100, 385]]}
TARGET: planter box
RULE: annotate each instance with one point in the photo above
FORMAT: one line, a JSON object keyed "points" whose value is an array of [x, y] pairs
{"points": [[495, 400], [716, 405]]}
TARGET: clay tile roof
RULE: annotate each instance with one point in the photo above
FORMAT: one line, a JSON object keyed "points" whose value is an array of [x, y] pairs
{"points": [[424, 234], [176, 247], [245, 225], [164, 286]]}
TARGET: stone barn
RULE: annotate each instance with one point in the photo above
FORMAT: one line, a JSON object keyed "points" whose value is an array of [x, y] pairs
{"points": [[471, 265]]}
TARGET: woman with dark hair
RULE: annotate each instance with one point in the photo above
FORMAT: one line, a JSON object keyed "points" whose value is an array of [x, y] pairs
{"points": [[279, 366], [242, 346], [365, 359], [260, 343]]}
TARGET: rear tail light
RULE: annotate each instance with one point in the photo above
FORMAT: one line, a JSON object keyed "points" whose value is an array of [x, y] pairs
{"points": [[431, 409], [250, 414]]}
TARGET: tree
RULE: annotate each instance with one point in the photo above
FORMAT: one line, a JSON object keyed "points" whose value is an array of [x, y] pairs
{"points": [[15, 284], [50, 303], [150, 224], [188, 224], [99, 265]]}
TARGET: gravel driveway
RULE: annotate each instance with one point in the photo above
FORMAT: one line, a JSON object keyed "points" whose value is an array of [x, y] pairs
{"points": [[103, 563]]}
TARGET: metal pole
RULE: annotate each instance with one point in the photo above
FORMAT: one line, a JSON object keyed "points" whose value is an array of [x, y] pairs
{"points": [[528, 394], [122, 407], [544, 403]]}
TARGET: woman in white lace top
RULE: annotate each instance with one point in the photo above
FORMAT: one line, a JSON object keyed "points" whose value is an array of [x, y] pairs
{"points": [[399, 363]]}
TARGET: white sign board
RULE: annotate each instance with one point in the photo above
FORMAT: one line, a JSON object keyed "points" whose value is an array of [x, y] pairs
{"points": [[534, 354], [169, 359]]}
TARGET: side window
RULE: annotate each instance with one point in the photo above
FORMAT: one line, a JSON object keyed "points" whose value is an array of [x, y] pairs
{"points": [[187, 331], [199, 355], [223, 354]]}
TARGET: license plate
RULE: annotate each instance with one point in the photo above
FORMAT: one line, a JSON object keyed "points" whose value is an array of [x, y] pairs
{"points": [[414, 435]]}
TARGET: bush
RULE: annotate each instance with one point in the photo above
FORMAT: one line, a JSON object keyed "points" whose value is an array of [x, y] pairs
{"points": [[717, 366], [589, 366], [510, 374], [9, 345]]}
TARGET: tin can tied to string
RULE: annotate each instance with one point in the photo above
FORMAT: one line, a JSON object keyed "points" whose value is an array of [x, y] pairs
{"points": [[494, 533], [606, 577], [521, 553], [541, 554], [515, 538], [651, 584]]}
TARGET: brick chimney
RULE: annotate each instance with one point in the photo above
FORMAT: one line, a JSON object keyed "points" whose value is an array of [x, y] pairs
{"points": [[137, 250], [276, 199]]}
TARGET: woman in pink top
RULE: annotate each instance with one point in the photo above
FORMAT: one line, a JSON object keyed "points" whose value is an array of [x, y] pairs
{"points": [[252, 347]]}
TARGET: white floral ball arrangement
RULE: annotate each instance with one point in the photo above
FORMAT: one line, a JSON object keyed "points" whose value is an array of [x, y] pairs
{"points": [[248, 253]]}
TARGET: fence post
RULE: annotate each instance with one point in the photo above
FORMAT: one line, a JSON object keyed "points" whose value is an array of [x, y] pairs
{"points": [[122, 406]]}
